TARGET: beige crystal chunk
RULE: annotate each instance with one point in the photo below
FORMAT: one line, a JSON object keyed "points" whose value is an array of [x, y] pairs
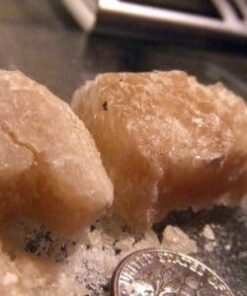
{"points": [[50, 169], [167, 141]]}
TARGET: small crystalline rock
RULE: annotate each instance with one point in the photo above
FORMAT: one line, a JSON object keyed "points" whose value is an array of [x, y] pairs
{"points": [[208, 232], [176, 240]]}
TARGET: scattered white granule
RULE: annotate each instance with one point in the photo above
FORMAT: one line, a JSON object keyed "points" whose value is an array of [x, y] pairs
{"points": [[210, 246], [208, 232]]}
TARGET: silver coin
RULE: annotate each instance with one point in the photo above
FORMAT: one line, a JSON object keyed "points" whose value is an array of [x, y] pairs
{"points": [[155, 272]]}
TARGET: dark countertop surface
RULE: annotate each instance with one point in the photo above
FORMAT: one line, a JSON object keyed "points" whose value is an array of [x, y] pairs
{"points": [[40, 38]]}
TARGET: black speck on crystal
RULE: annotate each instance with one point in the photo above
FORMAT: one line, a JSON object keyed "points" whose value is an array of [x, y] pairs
{"points": [[106, 287], [92, 227], [104, 105], [32, 246], [117, 251]]}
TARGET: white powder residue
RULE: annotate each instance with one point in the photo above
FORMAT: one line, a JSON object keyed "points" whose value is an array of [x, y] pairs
{"points": [[85, 264]]}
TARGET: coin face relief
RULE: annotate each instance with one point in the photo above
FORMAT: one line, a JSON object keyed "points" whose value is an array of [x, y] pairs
{"points": [[155, 272]]}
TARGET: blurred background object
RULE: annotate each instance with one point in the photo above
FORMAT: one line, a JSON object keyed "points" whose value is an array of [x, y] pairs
{"points": [[156, 18]]}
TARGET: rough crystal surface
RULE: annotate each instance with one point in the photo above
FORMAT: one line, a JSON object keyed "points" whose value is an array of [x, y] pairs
{"points": [[50, 169], [167, 141]]}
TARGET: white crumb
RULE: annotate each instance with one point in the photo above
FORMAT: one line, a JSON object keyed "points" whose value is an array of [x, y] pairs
{"points": [[208, 232], [149, 240], [228, 247], [176, 240], [9, 278], [243, 255], [210, 246], [125, 243]]}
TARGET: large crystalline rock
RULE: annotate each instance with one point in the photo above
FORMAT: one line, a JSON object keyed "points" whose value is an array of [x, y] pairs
{"points": [[50, 169], [167, 141]]}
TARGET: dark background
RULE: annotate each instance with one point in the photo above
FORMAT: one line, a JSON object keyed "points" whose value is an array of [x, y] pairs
{"points": [[39, 38]]}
